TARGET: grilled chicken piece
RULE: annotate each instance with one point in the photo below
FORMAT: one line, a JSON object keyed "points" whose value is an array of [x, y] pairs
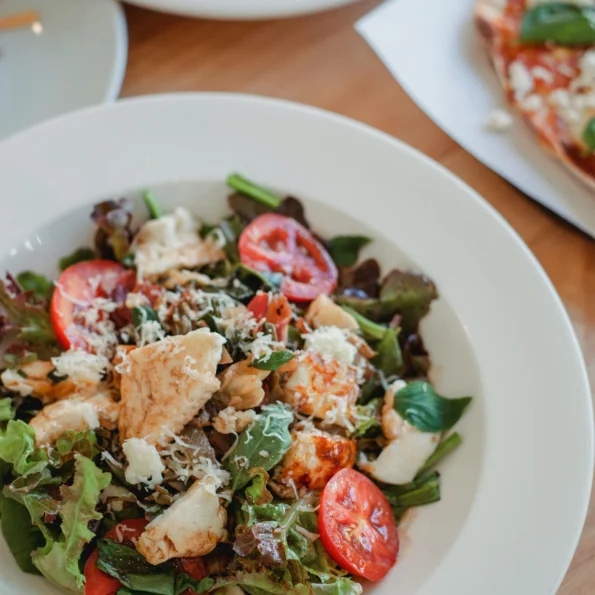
{"points": [[167, 383], [232, 421], [324, 312], [323, 387], [73, 373], [313, 458], [192, 526], [408, 448], [241, 386], [78, 413], [172, 242]]}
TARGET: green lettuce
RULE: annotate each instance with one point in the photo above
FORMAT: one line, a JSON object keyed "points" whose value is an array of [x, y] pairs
{"points": [[59, 561], [6, 409], [17, 447]]}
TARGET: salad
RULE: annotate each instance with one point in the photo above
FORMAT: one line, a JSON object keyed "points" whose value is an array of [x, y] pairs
{"points": [[234, 407]]}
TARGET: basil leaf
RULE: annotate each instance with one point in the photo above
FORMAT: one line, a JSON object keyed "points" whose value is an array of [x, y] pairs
{"points": [[274, 361], [561, 23], [152, 205], [344, 250], [269, 434], [420, 405], [589, 135], [41, 287], [79, 255], [142, 314], [389, 358]]}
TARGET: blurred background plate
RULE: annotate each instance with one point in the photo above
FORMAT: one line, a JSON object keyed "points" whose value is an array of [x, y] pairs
{"points": [[74, 57], [241, 9]]}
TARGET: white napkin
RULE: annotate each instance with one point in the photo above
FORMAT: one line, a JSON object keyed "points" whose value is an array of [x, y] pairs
{"points": [[432, 49]]}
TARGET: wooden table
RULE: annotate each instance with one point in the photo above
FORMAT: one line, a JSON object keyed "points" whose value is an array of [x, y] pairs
{"points": [[320, 60]]}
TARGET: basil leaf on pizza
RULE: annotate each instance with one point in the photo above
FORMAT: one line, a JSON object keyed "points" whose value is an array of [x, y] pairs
{"points": [[560, 23], [589, 135]]}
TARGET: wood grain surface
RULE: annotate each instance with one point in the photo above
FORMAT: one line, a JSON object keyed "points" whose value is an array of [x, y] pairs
{"points": [[320, 60]]}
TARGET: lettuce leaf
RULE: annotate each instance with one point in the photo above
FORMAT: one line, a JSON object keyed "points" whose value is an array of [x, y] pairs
{"points": [[21, 536], [17, 447], [6, 409], [59, 562], [31, 322]]}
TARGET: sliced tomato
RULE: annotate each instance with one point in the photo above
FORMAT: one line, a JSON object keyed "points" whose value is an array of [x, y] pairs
{"points": [[77, 287], [98, 582], [274, 243], [357, 526], [275, 309]]}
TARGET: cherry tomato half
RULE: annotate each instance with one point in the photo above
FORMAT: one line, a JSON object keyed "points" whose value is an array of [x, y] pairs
{"points": [[77, 286], [357, 526], [98, 582], [274, 243], [275, 309]]}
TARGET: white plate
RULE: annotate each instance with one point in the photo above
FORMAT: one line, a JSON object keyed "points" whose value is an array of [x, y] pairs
{"points": [[241, 9], [516, 493], [78, 59], [452, 80]]}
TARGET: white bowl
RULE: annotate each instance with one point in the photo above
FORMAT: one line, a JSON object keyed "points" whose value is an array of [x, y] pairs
{"points": [[515, 495], [241, 9]]}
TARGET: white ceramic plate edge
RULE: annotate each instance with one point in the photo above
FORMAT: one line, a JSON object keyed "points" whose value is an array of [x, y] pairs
{"points": [[511, 234]]}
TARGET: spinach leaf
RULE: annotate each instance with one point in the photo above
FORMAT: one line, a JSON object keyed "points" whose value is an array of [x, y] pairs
{"points": [[344, 250], [256, 280], [79, 255], [184, 582], [268, 434], [232, 227], [389, 358], [420, 405], [6, 409], [41, 287], [152, 205], [142, 314], [559, 22], [257, 193], [589, 135], [273, 361], [21, 536]]}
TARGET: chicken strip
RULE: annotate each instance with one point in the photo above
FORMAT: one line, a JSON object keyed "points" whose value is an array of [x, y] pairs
{"points": [[78, 413], [192, 526], [167, 383]]}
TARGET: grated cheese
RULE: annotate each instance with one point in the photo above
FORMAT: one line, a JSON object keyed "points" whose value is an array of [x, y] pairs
{"points": [[499, 120], [80, 365], [331, 341]]}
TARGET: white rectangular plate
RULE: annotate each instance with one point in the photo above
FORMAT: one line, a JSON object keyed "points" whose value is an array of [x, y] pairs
{"points": [[432, 49]]}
